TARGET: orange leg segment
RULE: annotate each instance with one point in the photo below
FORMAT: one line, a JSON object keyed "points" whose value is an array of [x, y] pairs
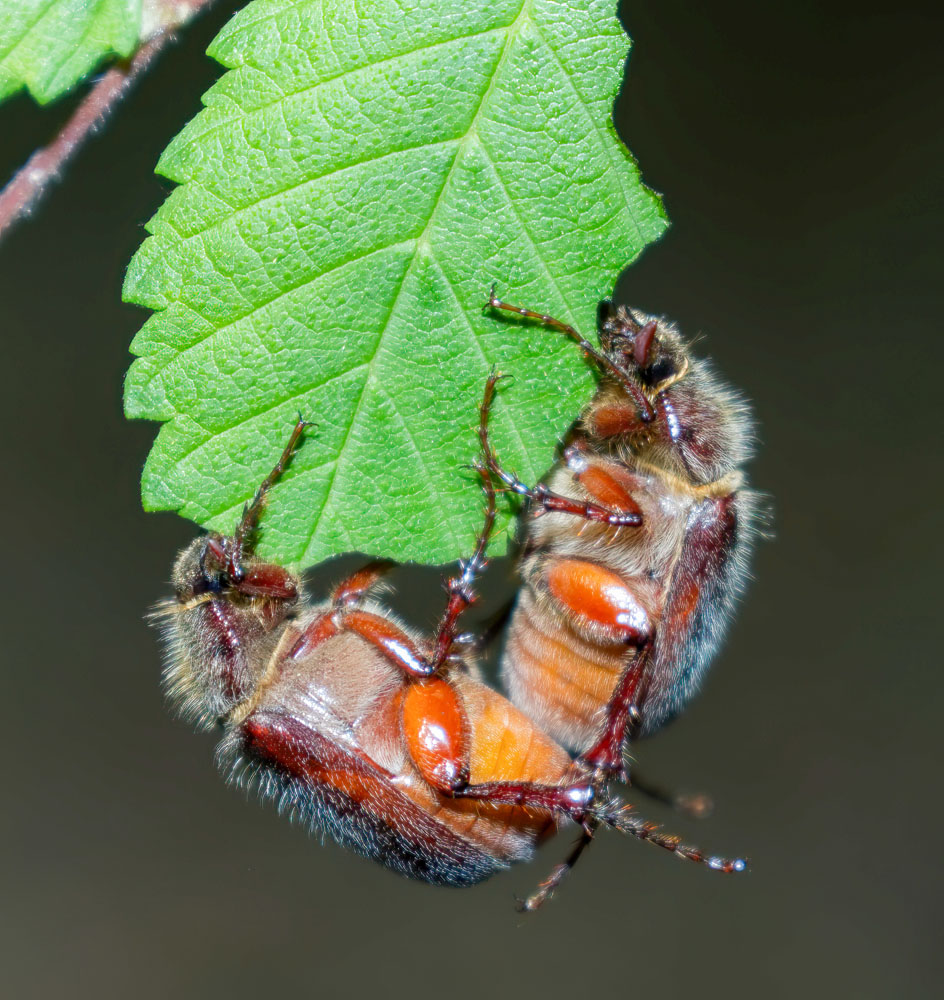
{"points": [[390, 639], [437, 737], [319, 631], [614, 420], [610, 484], [358, 585], [600, 597], [380, 632], [436, 733]]}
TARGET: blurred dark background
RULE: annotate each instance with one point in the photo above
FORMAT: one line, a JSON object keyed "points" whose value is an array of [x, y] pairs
{"points": [[800, 151]]}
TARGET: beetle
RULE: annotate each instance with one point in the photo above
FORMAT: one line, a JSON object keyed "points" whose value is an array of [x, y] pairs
{"points": [[633, 548], [369, 731]]}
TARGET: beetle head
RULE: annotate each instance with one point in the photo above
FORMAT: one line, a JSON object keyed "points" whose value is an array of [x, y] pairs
{"points": [[211, 565], [644, 345]]}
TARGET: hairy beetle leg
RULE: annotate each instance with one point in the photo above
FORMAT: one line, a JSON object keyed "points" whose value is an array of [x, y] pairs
{"points": [[646, 412], [459, 588], [540, 495], [243, 535]]}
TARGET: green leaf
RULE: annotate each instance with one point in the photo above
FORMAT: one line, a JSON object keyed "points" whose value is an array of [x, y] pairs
{"points": [[353, 187], [49, 45]]}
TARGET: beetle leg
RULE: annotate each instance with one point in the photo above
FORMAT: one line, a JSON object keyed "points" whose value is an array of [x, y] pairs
{"points": [[436, 733], [385, 635], [324, 627], [348, 593], [389, 639], [459, 588], [613, 420], [610, 484], [609, 367], [438, 740], [601, 599], [353, 590], [622, 817], [548, 887], [437, 736], [540, 495], [623, 717], [572, 799], [243, 535], [551, 502], [696, 805]]}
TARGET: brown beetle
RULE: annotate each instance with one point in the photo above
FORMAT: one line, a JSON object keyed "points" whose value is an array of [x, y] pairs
{"points": [[365, 729], [634, 548]]}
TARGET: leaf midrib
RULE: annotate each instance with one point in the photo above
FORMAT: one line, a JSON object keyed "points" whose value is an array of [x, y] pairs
{"points": [[422, 242]]}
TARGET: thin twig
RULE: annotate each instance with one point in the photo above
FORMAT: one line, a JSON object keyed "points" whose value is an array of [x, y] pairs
{"points": [[30, 182]]}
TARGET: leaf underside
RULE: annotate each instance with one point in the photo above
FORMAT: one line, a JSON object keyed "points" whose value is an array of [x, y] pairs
{"points": [[353, 187], [47, 46]]}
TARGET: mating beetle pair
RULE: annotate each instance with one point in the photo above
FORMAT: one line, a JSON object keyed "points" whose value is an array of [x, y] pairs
{"points": [[632, 552]]}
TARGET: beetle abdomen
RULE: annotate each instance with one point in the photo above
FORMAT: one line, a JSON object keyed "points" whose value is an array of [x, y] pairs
{"points": [[556, 676], [351, 799]]}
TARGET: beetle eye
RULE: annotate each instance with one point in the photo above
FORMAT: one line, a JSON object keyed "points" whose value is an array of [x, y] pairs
{"points": [[606, 314], [659, 371]]}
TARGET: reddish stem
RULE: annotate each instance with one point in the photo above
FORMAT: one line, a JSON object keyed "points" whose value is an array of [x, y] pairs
{"points": [[29, 183]]}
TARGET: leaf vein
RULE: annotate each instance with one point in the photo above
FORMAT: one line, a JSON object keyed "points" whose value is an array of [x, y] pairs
{"points": [[526, 231], [268, 302], [216, 432], [350, 72], [243, 209], [478, 344], [42, 15], [607, 148], [424, 468]]}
